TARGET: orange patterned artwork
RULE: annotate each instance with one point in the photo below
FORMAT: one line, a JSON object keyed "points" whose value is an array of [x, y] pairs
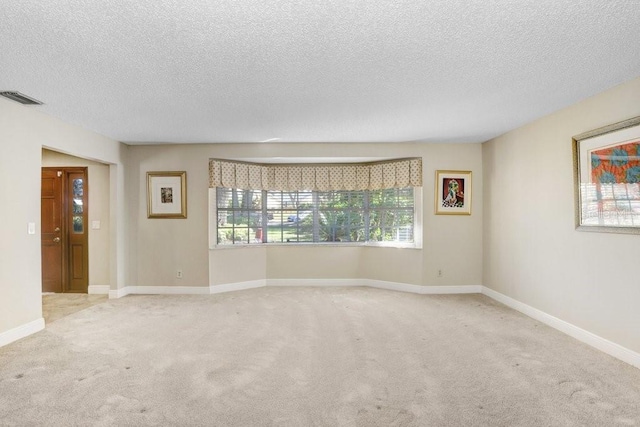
{"points": [[616, 165], [607, 173], [613, 196]]}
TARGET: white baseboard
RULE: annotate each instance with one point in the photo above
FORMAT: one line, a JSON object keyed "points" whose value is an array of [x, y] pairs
{"points": [[252, 284], [169, 290], [98, 290], [379, 284], [238, 286], [423, 290], [184, 290], [395, 286], [159, 290], [316, 282], [119, 293], [459, 289], [21, 331], [602, 344]]}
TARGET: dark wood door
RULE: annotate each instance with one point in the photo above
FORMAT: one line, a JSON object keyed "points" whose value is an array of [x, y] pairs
{"points": [[78, 250], [51, 226], [65, 249]]}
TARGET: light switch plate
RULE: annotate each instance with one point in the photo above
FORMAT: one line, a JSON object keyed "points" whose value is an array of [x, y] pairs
{"points": [[95, 225], [31, 228]]}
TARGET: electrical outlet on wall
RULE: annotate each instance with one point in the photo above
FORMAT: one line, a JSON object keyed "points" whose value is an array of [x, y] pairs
{"points": [[439, 273], [179, 274]]}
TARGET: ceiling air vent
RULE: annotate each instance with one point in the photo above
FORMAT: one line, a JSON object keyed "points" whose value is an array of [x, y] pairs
{"points": [[18, 97]]}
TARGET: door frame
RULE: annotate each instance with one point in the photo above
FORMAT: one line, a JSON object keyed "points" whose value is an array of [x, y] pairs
{"points": [[67, 235]]}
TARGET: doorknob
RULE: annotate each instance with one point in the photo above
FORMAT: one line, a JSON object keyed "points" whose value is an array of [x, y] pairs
{"points": [[57, 229], [56, 239]]}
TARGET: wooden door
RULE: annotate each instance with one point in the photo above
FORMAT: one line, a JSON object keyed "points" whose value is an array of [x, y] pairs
{"points": [[77, 231], [51, 226], [65, 249]]}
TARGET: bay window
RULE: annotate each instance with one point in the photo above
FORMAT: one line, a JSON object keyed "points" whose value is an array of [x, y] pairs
{"points": [[373, 203]]}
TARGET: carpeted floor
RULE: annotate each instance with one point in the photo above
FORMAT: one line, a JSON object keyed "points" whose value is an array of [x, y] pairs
{"points": [[57, 306], [310, 357]]}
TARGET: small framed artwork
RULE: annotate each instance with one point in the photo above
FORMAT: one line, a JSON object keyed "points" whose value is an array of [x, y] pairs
{"points": [[607, 178], [167, 194], [453, 192]]}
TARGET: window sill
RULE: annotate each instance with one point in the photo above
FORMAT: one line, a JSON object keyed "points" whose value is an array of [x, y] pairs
{"points": [[319, 245]]}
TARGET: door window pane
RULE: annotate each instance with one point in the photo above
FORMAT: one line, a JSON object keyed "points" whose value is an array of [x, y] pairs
{"points": [[78, 224], [78, 208]]}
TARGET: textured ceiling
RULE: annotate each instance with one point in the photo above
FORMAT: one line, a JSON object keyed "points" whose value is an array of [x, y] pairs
{"points": [[153, 71]]}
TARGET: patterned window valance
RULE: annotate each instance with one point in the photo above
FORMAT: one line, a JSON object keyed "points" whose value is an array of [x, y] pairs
{"points": [[398, 173]]}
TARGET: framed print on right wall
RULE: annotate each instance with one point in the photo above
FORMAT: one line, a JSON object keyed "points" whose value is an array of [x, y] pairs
{"points": [[606, 169], [453, 192]]}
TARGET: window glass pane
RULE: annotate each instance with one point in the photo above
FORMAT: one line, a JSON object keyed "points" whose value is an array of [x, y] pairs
{"points": [[78, 191], [290, 216], [341, 216], [239, 216], [77, 206], [391, 215], [78, 224], [405, 198], [78, 188], [305, 216]]}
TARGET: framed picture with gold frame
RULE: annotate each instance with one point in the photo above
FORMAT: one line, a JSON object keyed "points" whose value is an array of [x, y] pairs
{"points": [[167, 194], [453, 192], [606, 169]]}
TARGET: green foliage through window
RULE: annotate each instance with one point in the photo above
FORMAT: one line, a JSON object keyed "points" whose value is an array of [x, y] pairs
{"points": [[255, 216]]}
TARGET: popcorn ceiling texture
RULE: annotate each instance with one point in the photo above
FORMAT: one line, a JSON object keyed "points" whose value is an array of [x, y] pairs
{"points": [[330, 71]]}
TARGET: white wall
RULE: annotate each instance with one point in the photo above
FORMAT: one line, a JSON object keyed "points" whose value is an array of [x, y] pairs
{"points": [[532, 253], [161, 246], [98, 202], [24, 131]]}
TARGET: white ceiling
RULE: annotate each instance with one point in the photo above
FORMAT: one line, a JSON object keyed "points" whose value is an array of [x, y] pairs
{"points": [[156, 71]]}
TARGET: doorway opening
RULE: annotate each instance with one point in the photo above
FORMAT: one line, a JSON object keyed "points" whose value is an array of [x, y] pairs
{"points": [[64, 238]]}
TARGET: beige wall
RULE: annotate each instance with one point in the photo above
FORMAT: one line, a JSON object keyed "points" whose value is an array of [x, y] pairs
{"points": [[520, 239], [222, 265], [24, 131], [532, 252], [98, 180], [313, 262], [161, 246]]}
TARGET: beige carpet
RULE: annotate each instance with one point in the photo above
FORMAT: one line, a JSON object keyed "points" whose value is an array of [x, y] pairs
{"points": [[310, 357], [57, 306]]}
